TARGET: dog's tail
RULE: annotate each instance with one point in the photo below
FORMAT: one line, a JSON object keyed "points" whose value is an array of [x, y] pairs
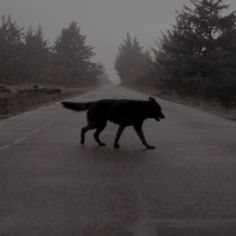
{"points": [[75, 106]]}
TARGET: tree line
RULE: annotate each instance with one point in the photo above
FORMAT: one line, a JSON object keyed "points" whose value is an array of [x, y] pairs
{"points": [[28, 57], [197, 57]]}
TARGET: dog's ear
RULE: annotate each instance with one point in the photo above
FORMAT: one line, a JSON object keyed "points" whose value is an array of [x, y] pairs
{"points": [[151, 99]]}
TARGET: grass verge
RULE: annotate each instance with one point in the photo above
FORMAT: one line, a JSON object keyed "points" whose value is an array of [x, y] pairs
{"points": [[20, 99]]}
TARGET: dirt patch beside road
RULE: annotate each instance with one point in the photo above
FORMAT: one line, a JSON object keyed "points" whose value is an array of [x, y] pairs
{"points": [[15, 100]]}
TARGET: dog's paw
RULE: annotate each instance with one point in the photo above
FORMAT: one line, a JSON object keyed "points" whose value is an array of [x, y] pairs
{"points": [[116, 146], [102, 144]]}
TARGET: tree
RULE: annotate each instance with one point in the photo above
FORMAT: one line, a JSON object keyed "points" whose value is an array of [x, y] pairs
{"points": [[198, 55], [101, 74], [37, 55], [73, 55], [131, 62], [11, 51]]}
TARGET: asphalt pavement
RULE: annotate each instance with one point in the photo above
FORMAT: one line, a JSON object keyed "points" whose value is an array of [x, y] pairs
{"points": [[51, 186]]}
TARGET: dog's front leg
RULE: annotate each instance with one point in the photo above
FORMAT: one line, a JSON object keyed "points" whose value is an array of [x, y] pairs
{"points": [[139, 131], [118, 134]]}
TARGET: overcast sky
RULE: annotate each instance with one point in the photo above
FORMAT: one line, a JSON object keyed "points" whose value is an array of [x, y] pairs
{"points": [[105, 22]]}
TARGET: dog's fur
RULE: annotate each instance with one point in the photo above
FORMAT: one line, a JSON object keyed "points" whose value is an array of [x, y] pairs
{"points": [[122, 112]]}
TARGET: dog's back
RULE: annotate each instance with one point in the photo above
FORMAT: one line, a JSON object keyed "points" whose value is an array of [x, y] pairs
{"points": [[125, 112]]}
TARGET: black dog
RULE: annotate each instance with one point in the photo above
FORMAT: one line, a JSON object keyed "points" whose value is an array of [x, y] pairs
{"points": [[122, 112]]}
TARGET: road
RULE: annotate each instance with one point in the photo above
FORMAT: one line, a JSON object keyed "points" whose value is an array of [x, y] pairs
{"points": [[50, 185]]}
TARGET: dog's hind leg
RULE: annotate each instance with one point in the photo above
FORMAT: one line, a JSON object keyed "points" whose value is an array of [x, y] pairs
{"points": [[139, 131], [100, 128], [118, 134], [84, 130]]}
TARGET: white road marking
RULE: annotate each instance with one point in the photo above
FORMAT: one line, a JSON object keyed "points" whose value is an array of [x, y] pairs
{"points": [[19, 140], [35, 131], [5, 147], [42, 108], [48, 123]]}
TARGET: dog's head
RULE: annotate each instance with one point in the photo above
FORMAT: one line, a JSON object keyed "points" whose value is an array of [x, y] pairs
{"points": [[155, 109]]}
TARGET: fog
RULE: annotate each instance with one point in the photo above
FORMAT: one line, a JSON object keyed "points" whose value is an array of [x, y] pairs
{"points": [[105, 22]]}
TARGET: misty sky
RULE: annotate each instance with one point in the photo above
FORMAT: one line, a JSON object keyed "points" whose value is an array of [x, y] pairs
{"points": [[105, 22]]}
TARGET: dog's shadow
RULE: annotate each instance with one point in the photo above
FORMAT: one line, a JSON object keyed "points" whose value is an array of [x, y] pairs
{"points": [[114, 164], [98, 153]]}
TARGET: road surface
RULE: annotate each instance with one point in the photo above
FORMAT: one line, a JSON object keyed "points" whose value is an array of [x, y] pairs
{"points": [[51, 186]]}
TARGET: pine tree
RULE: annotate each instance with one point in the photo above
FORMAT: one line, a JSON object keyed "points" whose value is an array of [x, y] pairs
{"points": [[131, 62], [73, 55], [11, 51], [199, 54], [37, 55]]}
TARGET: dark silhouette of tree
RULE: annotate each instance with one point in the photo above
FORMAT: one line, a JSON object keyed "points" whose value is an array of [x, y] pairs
{"points": [[28, 57], [11, 51], [37, 55], [73, 56], [131, 62], [198, 56]]}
